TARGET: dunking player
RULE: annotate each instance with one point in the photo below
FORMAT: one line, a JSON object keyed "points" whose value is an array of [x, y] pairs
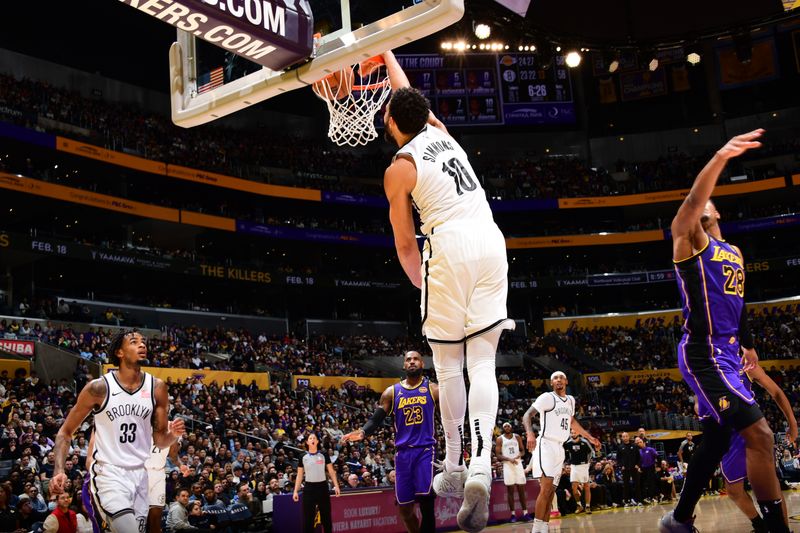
{"points": [[412, 403], [463, 279], [130, 413], [734, 467], [557, 415], [710, 276], [509, 450]]}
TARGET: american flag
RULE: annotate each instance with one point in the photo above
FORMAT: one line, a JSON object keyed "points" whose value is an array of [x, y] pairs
{"points": [[210, 80]]}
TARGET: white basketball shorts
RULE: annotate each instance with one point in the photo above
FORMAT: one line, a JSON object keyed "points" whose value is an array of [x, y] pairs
{"points": [[548, 459], [513, 474], [157, 487], [579, 473], [117, 491], [464, 281]]}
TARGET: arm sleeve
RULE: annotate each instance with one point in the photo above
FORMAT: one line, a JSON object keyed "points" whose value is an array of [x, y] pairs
{"points": [[327, 459], [745, 335], [375, 422]]}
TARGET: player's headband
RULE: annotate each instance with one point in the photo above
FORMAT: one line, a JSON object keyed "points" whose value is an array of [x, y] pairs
{"points": [[506, 424], [557, 373]]}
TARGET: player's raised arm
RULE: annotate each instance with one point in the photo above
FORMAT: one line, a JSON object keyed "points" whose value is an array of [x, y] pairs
{"points": [[398, 182], [687, 230], [398, 79], [91, 397], [759, 376]]}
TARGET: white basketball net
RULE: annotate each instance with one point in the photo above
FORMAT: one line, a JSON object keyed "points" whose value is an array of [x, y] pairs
{"points": [[353, 104]]}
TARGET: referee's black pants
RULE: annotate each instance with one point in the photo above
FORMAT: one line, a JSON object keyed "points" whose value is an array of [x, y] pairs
{"points": [[317, 495]]}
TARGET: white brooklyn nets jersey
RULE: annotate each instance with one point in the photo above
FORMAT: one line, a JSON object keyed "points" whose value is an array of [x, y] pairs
{"points": [[510, 446], [123, 424], [157, 459], [447, 188], [556, 414]]}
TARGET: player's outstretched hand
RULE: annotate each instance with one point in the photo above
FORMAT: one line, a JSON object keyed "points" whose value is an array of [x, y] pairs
{"points": [[353, 436], [749, 359], [57, 483], [531, 442], [740, 144], [177, 427]]}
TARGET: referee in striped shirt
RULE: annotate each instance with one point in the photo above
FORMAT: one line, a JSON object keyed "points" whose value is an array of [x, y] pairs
{"points": [[315, 493]]}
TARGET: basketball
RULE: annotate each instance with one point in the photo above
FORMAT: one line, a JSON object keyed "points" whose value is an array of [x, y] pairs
{"points": [[335, 86]]}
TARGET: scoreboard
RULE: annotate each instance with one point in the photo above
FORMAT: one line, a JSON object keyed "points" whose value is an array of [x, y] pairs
{"points": [[493, 89]]}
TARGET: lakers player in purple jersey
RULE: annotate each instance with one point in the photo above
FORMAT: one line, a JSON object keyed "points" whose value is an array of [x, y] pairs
{"points": [[711, 281], [413, 404], [734, 465]]}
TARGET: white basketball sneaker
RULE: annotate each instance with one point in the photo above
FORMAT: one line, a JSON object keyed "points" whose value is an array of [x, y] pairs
{"points": [[449, 484], [474, 512]]}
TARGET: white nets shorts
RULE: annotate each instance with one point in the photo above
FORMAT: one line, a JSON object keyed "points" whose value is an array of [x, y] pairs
{"points": [[117, 491], [464, 281], [548, 459]]}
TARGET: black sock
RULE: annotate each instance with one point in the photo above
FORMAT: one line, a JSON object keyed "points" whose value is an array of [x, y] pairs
{"points": [[772, 511], [716, 441], [759, 526]]}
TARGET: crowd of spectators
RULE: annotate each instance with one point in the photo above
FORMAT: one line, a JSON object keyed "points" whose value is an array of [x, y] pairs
{"points": [[244, 443], [126, 127]]}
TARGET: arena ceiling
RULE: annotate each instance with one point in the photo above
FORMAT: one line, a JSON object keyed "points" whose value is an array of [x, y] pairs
{"points": [[110, 38]]}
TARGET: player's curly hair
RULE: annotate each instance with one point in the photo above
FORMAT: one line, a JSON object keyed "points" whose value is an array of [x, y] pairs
{"points": [[410, 109], [117, 341]]}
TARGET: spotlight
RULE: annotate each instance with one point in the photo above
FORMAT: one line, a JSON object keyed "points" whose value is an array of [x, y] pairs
{"points": [[460, 46], [521, 48], [481, 46], [693, 58], [653, 64], [482, 31], [573, 59], [558, 48], [447, 45], [526, 48], [612, 61]]}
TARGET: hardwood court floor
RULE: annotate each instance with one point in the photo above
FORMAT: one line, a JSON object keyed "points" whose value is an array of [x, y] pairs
{"points": [[714, 513]]}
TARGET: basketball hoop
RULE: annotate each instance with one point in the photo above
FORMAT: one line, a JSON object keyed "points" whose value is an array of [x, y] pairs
{"points": [[354, 95]]}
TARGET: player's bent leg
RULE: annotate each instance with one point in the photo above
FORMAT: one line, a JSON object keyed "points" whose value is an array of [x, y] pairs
{"points": [[427, 510], [543, 502], [409, 517], [761, 473], [448, 360], [481, 352], [744, 502], [716, 441], [154, 519]]}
